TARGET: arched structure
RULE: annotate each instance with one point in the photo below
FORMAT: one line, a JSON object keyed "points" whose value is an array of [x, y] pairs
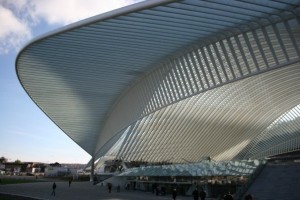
{"points": [[173, 81]]}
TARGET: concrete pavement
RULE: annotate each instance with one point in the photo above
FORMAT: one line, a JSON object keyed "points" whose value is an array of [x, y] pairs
{"points": [[78, 191]]}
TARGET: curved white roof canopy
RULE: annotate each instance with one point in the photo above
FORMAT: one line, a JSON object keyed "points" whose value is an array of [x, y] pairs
{"points": [[176, 81]]}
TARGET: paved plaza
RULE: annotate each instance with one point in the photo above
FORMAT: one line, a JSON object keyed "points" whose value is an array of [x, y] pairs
{"points": [[78, 191]]}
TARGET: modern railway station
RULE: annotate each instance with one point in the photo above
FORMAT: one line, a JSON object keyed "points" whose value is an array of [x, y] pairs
{"points": [[176, 94]]}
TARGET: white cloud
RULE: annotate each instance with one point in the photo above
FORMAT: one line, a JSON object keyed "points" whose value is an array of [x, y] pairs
{"points": [[68, 11], [19, 17], [13, 32]]}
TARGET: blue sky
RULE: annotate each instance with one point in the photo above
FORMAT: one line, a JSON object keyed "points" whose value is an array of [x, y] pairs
{"points": [[25, 131]]}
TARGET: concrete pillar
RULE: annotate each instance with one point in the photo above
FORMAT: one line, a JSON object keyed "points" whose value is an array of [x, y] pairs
{"points": [[92, 170]]}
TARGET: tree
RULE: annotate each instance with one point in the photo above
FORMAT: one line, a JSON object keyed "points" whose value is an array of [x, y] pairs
{"points": [[3, 159], [56, 164], [18, 161]]}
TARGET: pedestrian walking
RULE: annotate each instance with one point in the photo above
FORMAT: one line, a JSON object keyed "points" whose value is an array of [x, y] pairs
{"points": [[109, 187], [196, 194], [53, 189], [174, 194], [228, 196], [70, 181], [248, 197], [202, 194]]}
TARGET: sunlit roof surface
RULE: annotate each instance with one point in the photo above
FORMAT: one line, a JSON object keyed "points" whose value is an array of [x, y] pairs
{"points": [[173, 80]]}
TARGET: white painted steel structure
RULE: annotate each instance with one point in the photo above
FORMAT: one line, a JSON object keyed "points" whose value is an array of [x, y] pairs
{"points": [[173, 81]]}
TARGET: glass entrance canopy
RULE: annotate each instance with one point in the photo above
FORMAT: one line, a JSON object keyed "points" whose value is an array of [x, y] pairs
{"points": [[201, 169]]}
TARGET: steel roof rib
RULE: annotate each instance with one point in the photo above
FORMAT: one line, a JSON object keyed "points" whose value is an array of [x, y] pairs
{"points": [[173, 81]]}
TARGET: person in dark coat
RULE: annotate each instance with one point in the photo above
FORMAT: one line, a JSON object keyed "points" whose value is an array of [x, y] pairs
{"points": [[196, 194], [70, 181], [53, 189], [109, 187], [248, 197], [202, 194], [228, 196], [174, 194]]}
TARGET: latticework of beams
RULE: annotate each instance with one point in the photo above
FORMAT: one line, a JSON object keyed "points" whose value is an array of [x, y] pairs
{"points": [[214, 95], [173, 80]]}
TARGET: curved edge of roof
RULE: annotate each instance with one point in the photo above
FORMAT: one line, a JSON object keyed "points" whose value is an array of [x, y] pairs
{"points": [[101, 17]]}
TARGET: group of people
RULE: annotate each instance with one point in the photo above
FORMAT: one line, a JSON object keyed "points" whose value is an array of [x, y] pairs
{"points": [[110, 186], [228, 196], [54, 187], [196, 194]]}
